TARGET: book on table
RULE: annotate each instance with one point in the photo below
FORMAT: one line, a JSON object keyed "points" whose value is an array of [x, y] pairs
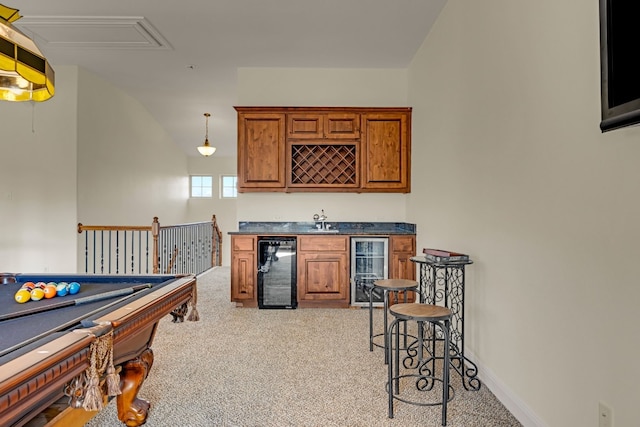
{"points": [[439, 255]]}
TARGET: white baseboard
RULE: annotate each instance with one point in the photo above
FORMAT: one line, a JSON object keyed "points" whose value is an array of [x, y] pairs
{"points": [[511, 401]]}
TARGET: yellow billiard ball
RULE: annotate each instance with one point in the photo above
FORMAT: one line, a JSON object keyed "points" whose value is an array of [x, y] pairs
{"points": [[22, 296], [37, 294]]}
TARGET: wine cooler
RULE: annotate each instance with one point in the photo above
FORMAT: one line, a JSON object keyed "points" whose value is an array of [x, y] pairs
{"points": [[369, 262], [277, 272]]}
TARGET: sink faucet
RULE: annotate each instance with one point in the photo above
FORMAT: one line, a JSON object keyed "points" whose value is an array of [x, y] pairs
{"points": [[322, 218]]}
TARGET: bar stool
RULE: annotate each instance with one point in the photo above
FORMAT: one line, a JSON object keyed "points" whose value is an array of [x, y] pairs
{"points": [[423, 369], [393, 286]]}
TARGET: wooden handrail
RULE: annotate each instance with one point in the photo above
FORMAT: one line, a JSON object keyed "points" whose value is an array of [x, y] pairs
{"points": [[82, 228], [216, 256]]}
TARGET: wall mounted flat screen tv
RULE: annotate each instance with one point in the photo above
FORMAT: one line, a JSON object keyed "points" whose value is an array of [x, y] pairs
{"points": [[619, 63]]}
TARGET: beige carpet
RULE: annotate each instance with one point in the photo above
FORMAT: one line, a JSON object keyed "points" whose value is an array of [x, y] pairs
{"points": [[304, 367]]}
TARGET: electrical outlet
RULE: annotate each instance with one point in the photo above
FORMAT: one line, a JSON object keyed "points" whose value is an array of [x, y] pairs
{"points": [[605, 415]]}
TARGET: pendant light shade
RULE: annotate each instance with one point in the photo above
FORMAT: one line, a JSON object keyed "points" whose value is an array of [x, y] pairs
{"points": [[206, 149], [25, 74]]}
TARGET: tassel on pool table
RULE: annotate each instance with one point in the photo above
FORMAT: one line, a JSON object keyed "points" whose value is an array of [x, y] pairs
{"points": [[113, 379], [92, 395], [194, 316]]}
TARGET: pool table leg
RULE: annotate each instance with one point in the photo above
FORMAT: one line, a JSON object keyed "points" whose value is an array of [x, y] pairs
{"points": [[131, 410]]}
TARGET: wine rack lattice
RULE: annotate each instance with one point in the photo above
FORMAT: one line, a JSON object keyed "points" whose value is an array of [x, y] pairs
{"points": [[323, 164]]}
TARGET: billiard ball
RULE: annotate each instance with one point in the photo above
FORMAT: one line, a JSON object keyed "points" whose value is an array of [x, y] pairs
{"points": [[41, 285], [37, 294], [50, 290], [23, 295], [74, 288], [62, 289], [29, 286]]}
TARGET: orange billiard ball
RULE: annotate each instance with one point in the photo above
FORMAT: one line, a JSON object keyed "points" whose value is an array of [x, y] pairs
{"points": [[50, 290]]}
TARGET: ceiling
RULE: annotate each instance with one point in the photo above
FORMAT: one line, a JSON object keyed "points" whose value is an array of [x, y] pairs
{"points": [[180, 60]]}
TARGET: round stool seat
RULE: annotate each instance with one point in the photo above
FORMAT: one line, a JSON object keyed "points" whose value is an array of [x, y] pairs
{"points": [[395, 284], [419, 363], [388, 286], [420, 312]]}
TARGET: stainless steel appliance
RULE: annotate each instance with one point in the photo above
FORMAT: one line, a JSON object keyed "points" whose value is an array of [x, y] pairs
{"points": [[369, 262], [277, 272]]}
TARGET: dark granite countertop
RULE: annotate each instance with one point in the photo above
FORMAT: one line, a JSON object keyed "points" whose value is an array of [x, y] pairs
{"points": [[349, 228]]}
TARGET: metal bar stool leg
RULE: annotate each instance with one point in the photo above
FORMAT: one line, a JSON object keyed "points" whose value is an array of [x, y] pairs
{"points": [[371, 319], [393, 382], [446, 326]]}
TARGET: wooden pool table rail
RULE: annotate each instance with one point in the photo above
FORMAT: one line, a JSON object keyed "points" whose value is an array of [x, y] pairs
{"points": [[32, 382]]}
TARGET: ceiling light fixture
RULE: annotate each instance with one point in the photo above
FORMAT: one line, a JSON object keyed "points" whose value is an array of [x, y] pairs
{"points": [[206, 149], [25, 74]]}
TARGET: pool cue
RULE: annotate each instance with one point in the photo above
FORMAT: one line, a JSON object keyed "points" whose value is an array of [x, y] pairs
{"points": [[70, 323], [77, 301]]}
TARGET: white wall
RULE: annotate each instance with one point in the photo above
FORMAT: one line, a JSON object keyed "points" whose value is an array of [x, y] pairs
{"points": [[91, 154], [38, 181], [327, 88], [129, 169], [224, 209], [515, 171]]}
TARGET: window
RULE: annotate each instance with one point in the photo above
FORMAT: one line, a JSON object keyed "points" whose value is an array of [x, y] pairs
{"points": [[228, 186], [201, 186]]}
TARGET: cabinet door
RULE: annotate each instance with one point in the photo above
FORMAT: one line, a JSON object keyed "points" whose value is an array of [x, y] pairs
{"points": [[305, 125], [386, 156], [261, 151], [323, 277], [342, 126], [243, 270], [402, 249]]}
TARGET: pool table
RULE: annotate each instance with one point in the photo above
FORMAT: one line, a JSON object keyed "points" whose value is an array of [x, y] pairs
{"points": [[77, 351]]}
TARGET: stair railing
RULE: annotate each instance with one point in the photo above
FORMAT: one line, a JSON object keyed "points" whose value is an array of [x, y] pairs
{"points": [[175, 249]]}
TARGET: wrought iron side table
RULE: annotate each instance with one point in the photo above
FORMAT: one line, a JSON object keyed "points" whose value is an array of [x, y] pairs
{"points": [[443, 283]]}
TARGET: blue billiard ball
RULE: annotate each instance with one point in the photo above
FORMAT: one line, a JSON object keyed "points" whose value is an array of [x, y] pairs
{"points": [[74, 288], [62, 289]]}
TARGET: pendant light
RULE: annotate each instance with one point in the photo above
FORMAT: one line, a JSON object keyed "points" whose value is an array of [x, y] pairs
{"points": [[206, 149], [25, 74]]}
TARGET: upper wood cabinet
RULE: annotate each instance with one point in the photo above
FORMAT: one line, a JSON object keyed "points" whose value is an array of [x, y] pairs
{"points": [[323, 126], [386, 151], [261, 151], [337, 149]]}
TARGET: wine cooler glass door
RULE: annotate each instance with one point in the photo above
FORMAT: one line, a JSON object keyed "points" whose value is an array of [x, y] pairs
{"points": [[369, 262]]}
